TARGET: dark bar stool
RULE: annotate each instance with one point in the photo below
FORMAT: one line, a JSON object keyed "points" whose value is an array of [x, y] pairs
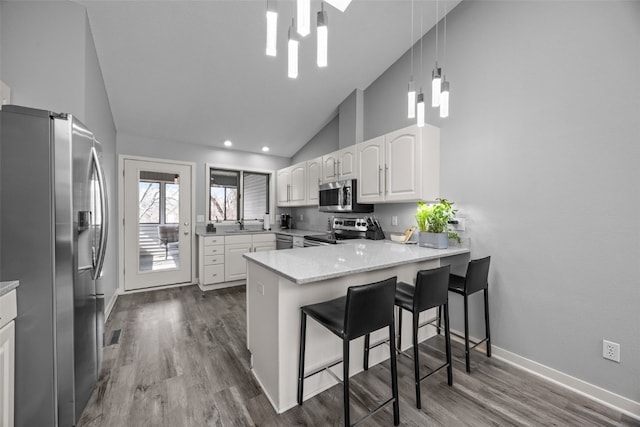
{"points": [[475, 280], [365, 309], [431, 290]]}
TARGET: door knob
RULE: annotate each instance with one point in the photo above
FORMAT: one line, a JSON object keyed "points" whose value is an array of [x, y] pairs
{"points": [[186, 223]]}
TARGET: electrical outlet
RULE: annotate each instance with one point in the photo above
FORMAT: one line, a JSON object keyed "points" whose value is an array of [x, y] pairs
{"points": [[460, 226], [394, 220], [611, 350], [260, 288], [199, 218], [301, 217]]}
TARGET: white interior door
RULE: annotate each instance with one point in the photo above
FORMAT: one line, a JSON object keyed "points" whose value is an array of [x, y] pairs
{"points": [[157, 224]]}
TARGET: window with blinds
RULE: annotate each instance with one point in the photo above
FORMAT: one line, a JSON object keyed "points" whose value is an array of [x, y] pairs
{"points": [[235, 194]]}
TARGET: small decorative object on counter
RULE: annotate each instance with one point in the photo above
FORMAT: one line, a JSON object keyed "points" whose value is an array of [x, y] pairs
{"points": [[433, 222], [211, 228]]}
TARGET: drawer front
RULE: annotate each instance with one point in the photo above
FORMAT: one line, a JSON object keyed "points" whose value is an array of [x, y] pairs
{"points": [[267, 238], [213, 250], [8, 308], [213, 259], [213, 240], [213, 274]]}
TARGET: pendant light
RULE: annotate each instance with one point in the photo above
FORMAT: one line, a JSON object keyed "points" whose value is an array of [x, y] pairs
{"points": [[420, 109], [292, 49], [411, 92], [322, 37], [436, 74], [303, 8], [272, 27], [444, 87], [444, 99], [420, 105]]}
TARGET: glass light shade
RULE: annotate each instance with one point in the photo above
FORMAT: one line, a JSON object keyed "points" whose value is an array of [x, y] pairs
{"points": [[444, 99], [303, 9], [292, 55], [411, 100], [272, 31], [420, 110], [323, 39], [436, 82]]}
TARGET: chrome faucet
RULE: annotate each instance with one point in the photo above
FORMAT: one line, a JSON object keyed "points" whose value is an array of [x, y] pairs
{"points": [[241, 222]]}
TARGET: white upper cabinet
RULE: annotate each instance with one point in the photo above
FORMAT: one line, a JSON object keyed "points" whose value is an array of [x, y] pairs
{"points": [[401, 166], [283, 182], [330, 167], [370, 158], [339, 165], [298, 189], [291, 185], [314, 176], [347, 164]]}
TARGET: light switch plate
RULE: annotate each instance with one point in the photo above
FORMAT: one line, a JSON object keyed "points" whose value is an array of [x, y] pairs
{"points": [[199, 218], [5, 93]]}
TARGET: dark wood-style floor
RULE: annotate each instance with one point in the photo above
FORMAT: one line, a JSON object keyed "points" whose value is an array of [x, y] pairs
{"points": [[181, 360]]}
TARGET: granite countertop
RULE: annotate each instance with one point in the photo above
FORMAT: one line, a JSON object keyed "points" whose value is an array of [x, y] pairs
{"points": [[221, 231], [6, 287], [306, 265]]}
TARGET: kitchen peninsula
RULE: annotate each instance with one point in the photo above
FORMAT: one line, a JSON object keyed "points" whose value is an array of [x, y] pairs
{"points": [[280, 282]]}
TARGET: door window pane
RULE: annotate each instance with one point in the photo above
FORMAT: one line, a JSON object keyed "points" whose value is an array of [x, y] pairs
{"points": [[172, 203], [149, 202]]}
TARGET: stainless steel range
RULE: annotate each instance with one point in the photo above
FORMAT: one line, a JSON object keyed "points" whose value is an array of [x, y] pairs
{"points": [[341, 229]]}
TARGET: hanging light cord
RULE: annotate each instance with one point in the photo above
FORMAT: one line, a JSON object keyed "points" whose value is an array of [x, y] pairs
{"points": [[437, 22], [411, 40], [421, 37], [444, 53]]}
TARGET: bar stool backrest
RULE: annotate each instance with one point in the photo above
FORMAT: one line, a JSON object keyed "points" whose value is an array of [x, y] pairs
{"points": [[369, 307], [477, 277], [432, 288]]}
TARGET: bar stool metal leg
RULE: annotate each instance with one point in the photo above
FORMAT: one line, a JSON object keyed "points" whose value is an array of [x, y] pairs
{"points": [[345, 381], [367, 340], [486, 321], [399, 328], [447, 343], [466, 333], [394, 375], [303, 333], [416, 362]]}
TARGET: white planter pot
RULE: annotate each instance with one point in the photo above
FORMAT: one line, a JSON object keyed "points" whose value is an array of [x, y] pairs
{"points": [[433, 240]]}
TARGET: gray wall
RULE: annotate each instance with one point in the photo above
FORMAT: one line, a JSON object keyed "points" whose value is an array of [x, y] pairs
{"points": [[199, 154], [324, 142], [540, 151], [351, 119], [49, 61]]}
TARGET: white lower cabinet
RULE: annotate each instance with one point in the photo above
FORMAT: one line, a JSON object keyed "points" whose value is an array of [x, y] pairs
{"points": [[7, 357], [220, 258]]}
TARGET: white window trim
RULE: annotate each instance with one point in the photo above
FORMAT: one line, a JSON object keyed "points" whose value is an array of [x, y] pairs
{"points": [[272, 189]]}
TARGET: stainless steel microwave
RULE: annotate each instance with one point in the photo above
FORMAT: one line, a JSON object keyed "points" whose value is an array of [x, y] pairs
{"points": [[341, 196]]}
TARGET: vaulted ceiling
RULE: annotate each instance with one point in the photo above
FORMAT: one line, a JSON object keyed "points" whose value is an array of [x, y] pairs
{"points": [[196, 71]]}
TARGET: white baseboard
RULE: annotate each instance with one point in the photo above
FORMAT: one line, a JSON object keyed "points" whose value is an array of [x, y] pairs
{"points": [[110, 305]]}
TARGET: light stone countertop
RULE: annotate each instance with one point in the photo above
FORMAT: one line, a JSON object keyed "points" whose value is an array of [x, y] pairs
{"points": [[6, 287], [313, 264], [201, 231]]}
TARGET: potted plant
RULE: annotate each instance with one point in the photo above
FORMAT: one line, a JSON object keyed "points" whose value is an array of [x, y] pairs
{"points": [[433, 223]]}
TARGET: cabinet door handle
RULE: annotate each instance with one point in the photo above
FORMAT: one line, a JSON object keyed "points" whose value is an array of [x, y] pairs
{"points": [[339, 168], [380, 180], [386, 178]]}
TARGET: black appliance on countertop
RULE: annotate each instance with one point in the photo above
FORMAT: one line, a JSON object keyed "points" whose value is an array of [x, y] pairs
{"points": [[286, 222]]}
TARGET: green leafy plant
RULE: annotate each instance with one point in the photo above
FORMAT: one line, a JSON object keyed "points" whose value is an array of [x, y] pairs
{"points": [[435, 218]]}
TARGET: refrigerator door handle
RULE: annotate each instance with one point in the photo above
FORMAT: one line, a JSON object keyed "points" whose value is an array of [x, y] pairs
{"points": [[104, 214]]}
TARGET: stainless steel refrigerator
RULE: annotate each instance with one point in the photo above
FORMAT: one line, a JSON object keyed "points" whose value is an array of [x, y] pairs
{"points": [[53, 233]]}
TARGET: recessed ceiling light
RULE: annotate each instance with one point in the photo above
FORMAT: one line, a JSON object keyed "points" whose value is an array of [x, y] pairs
{"points": [[265, 148], [228, 143]]}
